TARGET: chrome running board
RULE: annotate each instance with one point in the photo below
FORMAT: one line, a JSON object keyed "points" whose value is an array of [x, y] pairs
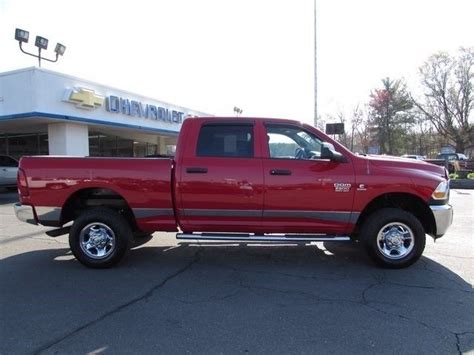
{"points": [[288, 238]]}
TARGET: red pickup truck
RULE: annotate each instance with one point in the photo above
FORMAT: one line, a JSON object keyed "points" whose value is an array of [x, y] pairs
{"points": [[239, 179]]}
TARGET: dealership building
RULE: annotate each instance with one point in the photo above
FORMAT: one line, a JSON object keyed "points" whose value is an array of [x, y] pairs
{"points": [[45, 112]]}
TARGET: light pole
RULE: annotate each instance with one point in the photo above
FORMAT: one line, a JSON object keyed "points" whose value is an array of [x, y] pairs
{"points": [[315, 71], [238, 111], [22, 36]]}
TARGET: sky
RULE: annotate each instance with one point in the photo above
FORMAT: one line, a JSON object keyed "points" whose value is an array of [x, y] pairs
{"points": [[258, 55]]}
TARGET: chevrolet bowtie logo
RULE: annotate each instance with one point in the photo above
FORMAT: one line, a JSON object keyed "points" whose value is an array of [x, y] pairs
{"points": [[84, 98]]}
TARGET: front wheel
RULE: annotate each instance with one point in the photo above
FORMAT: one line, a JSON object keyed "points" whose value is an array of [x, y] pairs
{"points": [[393, 238], [99, 238]]}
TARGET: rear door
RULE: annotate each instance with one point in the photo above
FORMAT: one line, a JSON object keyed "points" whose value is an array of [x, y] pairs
{"points": [[304, 193], [220, 179]]}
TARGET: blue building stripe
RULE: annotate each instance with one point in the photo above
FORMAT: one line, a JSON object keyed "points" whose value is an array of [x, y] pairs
{"points": [[54, 116]]}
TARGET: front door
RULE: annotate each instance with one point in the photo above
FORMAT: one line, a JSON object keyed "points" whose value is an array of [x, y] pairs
{"points": [[304, 193]]}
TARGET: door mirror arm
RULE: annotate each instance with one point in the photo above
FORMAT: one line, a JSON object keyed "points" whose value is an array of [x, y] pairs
{"points": [[328, 152]]}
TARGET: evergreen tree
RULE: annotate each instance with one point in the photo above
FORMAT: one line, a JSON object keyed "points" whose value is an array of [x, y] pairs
{"points": [[390, 115]]}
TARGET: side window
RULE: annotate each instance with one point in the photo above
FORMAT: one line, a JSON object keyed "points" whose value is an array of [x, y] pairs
{"points": [[292, 142], [225, 140], [8, 162], [13, 163]]}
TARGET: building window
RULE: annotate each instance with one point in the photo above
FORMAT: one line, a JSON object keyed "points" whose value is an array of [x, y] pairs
{"points": [[18, 145], [103, 145]]}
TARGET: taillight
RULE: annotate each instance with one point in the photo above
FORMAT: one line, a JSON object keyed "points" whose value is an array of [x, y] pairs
{"points": [[22, 183]]}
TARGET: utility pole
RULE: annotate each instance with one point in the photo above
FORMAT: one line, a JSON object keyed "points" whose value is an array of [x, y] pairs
{"points": [[315, 70]]}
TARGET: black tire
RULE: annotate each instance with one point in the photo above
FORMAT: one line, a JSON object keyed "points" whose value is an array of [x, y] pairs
{"points": [[112, 233], [402, 243]]}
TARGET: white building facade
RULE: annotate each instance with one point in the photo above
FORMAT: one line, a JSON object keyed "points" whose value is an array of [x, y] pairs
{"points": [[44, 112]]}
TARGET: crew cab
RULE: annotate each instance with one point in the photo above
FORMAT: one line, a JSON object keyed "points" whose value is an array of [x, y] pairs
{"points": [[239, 179]]}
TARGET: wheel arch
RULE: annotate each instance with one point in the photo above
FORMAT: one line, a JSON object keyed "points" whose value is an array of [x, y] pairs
{"points": [[404, 201], [94, 197]]}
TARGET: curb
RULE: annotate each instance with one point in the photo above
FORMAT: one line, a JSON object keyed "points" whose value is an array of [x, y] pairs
{"points": [[461, 184]]}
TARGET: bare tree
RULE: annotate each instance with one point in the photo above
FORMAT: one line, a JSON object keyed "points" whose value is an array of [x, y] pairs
{"points": [[448, 96], [344, 137], [422, 140], [360, 138]]}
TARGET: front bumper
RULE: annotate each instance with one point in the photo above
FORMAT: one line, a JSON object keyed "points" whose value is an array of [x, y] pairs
{"points": [[25, 213], [443, 215]]}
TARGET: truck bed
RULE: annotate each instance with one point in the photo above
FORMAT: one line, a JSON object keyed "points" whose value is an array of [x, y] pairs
{"points": [[144, 183]]}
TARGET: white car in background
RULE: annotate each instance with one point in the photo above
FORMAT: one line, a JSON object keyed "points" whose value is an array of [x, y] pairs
{"points": [[413, 156], [8, 171]]}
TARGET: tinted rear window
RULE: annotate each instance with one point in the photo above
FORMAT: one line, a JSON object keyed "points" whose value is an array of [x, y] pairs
{"points": [[225, 140]]}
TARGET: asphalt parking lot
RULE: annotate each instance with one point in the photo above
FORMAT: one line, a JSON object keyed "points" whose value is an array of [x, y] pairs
{"points": [[173, 298]]}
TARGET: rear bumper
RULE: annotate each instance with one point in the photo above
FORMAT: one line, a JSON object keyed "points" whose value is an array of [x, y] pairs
{"points": [[443, 215], [44, 215], [25, 213]]}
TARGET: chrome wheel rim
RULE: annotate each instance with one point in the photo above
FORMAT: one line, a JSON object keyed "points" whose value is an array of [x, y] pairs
{"points": [[97, 240], [395, 240]]}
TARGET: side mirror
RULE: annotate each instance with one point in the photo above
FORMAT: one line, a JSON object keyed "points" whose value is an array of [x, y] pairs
{"points": [[328, 152]]}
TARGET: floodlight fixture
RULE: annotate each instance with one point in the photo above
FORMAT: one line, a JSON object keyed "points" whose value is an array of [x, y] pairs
{"points": [[60, 49], [41, 42], [21, 35], [238, 111]]}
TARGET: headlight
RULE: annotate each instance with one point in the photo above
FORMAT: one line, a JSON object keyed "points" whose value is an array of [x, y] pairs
{"points": [[442, 191]]}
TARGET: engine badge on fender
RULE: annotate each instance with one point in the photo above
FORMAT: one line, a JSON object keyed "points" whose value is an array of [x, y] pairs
{"points": [[342, 187]]}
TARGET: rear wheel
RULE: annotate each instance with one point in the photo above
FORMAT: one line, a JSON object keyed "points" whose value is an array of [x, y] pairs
{"points": [[393, 238], [100, 238]]}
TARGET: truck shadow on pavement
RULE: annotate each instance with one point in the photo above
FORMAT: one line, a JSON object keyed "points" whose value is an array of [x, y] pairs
{"points": [[226, 298]]}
